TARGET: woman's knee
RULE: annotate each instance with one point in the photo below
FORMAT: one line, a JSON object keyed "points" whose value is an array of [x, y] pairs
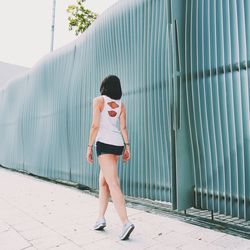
{"points": [[113, 184], [102, 182]]}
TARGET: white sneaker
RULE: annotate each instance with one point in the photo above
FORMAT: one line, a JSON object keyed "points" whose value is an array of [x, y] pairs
{"points": [[100, 224], [126, 230]]}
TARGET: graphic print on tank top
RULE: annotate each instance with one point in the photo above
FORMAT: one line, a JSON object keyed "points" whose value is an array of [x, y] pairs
{"points": [[113, 105]]}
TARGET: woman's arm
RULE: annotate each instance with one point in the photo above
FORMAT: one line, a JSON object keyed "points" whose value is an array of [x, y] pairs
{"points": [[124, 131], [97, 103]]}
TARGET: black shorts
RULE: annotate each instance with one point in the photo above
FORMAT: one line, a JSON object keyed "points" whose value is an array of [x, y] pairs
{"points": [[103, 148]]}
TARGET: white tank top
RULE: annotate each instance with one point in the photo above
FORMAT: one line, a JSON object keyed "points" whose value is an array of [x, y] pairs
{"points": [[109, 130]]}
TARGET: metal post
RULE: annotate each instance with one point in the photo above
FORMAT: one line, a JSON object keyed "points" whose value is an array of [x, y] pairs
{"points": [[53, 25]]}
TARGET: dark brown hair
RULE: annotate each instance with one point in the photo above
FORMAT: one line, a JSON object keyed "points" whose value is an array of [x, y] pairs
{"points": [[111, 87]]}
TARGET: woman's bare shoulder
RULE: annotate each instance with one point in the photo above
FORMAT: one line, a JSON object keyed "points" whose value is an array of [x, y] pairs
{"points": [[98, 99], [99, 102]]}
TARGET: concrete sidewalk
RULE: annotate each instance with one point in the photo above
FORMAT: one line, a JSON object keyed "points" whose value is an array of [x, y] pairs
{"points": [[37, 214]]}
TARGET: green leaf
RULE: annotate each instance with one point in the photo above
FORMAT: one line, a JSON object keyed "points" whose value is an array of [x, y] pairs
{"points": [[80, 17]]}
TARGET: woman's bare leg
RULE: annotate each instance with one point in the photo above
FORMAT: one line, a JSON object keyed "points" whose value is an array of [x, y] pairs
{"points": [[108, 165], [104, 195]]}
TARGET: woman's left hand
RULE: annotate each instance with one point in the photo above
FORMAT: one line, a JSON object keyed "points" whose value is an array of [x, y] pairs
{"points": [[126, 154], [89, 155]]}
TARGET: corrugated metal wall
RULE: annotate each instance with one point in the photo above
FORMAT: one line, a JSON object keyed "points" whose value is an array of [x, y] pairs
{"points": [[49, 122], [217, 46], [183, 65]]}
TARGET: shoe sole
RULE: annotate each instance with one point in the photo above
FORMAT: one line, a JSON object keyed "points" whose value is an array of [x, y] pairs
{"points": [[100, 227], [127, 234]]}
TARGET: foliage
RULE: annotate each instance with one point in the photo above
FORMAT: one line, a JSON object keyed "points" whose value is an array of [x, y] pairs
{"points": [[80, 17]]}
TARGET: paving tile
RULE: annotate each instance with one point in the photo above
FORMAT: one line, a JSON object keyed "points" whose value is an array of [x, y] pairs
{"points": [[47, 242], [29, 248], [137, 241], [204, 234], [66, 246], [31, 224], [35, 233], [88, 237], [69, 229], [232, 242], [175, 239], [11, 240], [14, 217], [182, 227], [199, 245], [106, 244], [3, 226], [161, 246]]}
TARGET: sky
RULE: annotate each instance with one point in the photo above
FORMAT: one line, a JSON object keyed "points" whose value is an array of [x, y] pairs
{"points": [[25, 28]]}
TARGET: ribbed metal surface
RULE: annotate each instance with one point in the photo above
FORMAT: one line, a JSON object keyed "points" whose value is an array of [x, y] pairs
{"points": [[183, 65], [52, 115], [216, 72]]}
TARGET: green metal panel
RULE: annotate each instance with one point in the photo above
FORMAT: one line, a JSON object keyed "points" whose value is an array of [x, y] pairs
{"points": [[217, 74], [183, 185], [53, 115]]}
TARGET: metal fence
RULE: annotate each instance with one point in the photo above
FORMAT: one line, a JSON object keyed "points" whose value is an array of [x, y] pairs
{"points": [[183, 65], [217, 51]]}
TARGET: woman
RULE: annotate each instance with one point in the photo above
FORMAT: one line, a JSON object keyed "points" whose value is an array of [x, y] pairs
{"points": [[111, 142]]}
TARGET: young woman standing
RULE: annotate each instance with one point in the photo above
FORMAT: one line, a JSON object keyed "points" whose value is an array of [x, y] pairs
{"points": [[109, 133]]}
